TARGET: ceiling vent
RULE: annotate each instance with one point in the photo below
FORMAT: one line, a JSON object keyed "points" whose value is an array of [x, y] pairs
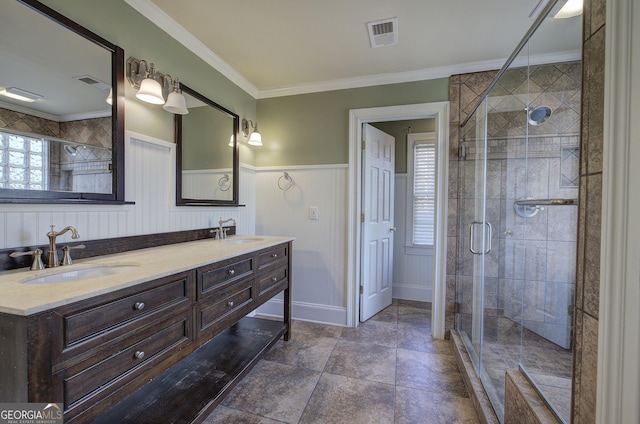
{"points": [[383, 33], [88, 79]]}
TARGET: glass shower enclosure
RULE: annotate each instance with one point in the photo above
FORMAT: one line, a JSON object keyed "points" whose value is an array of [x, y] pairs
{"points": [[518, 216]]}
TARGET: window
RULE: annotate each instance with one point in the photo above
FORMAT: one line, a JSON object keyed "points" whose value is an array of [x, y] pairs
{"points": [[421, 166], [23, 162]]}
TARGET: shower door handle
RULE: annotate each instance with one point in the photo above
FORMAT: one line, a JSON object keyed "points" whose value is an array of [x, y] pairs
{"points": [[472, 238]]}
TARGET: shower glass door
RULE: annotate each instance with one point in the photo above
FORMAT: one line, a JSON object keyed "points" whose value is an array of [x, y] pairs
{"points": [[518, 189]]}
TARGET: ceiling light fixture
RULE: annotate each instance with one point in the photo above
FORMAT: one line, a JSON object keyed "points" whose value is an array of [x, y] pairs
{"points": [[153, 87], [570, 9], [255, 139], [20, 94]]}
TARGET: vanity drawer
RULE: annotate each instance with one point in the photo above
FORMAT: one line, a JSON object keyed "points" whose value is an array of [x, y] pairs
{"points": [[215, 277], [272, 256], [275, 279], [115, 366], [225, 303], [99, 318]]}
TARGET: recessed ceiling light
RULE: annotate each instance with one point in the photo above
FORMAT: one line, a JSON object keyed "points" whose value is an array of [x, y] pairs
{"points": [[20, 94], [570, 9]]}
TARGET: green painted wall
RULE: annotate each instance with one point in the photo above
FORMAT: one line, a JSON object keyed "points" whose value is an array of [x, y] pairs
{"points": [[313, 129], [119, 23], [205, 139], [399, 130]]}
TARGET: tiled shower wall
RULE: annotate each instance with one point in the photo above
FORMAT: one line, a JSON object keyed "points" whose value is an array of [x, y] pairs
{"points": [[87, 171], [585, 353], [535, 255]]}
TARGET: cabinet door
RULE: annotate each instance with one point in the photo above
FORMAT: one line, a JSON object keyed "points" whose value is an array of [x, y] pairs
{"points": [[114, 366], [215, 277], [106, 319], [226, 307]]}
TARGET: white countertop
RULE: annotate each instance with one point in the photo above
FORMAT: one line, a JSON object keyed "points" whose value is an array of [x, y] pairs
{"points": [[18, 298]]}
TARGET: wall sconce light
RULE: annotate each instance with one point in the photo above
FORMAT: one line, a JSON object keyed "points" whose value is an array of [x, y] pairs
{"points": [[176, 102], [256, 138], [154, 86]]}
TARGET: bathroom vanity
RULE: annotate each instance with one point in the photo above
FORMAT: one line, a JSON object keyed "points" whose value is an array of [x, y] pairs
{"points": [[165, 331]]}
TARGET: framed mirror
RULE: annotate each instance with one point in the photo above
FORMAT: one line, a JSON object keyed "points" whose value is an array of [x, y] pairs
{"points": [[207, 153], [61, 109]]}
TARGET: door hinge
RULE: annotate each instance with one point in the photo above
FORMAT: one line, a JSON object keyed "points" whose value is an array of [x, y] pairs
{"points": [[364, 143], [361, 217], [361, 289]]}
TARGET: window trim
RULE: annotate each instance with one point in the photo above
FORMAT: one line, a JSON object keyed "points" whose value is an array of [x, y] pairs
{"points": [[412, 140]]}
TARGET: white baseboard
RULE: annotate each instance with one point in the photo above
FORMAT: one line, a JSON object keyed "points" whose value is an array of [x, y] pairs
{"points": [[302, 311], [408, 292]]}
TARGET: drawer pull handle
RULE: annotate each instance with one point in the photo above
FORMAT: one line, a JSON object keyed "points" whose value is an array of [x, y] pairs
{"points": [[139, 354], [139, 306], [274, 279], [232, 271], [230, 303], [274, 255]]}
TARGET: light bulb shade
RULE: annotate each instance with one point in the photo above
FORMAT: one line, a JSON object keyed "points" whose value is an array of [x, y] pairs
{"points": [[176, 103], [570, 9], [255, 139], [150, 91], [110, 97]]}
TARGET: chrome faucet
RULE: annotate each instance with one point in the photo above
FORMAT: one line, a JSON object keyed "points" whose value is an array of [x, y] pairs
{"points": [[52, 258], [222, 233]]}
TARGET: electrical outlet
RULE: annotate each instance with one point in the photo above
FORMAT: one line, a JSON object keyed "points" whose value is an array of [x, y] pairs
{"points": [[313, 213]]}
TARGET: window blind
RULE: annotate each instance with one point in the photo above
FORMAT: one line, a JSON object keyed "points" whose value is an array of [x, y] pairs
{"points": [[424, 193]]}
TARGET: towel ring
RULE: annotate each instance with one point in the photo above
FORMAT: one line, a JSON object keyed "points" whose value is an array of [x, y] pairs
{"points": [[285, 182], [224, 184]]}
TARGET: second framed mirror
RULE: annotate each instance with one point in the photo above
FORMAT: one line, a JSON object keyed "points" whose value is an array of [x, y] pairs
{"points": [[207, 153]]}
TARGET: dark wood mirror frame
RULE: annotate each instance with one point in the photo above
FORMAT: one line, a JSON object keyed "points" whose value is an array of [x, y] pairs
{"points": [[117, 83], [182, 201]]}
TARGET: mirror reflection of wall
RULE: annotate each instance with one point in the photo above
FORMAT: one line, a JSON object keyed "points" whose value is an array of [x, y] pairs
{"points": [[35, 162], [69, 102], [207, 157]]}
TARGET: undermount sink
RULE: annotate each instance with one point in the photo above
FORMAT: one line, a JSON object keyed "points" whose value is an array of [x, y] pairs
{"points": [[78, 274], [241, 239]]}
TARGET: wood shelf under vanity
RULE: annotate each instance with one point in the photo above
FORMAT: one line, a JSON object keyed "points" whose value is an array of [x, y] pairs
{"points": [[191, 389]]}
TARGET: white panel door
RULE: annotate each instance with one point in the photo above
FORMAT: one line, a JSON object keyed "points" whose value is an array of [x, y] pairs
{"points": [[378, 167]]}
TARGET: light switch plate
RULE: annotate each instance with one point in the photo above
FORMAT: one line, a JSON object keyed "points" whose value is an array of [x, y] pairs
{"points": [[313, 213]]}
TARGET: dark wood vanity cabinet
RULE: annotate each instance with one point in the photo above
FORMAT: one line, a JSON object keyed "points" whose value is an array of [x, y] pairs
{"points": [[93, 354]]}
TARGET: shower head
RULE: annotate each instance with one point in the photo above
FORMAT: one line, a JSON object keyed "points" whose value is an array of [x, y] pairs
{"points": [[538, 115], [72, 150]]}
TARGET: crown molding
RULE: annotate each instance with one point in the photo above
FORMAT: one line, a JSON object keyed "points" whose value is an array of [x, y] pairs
{"points": [[184, 37], [381, 79]]}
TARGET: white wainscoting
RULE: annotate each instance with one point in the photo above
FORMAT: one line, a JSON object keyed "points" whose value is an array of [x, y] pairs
{"points": [[150, 183], [207, 184], [412, 274], [319, 251]]}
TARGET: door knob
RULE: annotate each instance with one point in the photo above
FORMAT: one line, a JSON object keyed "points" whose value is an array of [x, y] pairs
{"points": [[392, 229]]}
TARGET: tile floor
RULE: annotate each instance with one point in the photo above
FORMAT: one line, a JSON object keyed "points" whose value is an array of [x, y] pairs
{"points": [[388, 370]]}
